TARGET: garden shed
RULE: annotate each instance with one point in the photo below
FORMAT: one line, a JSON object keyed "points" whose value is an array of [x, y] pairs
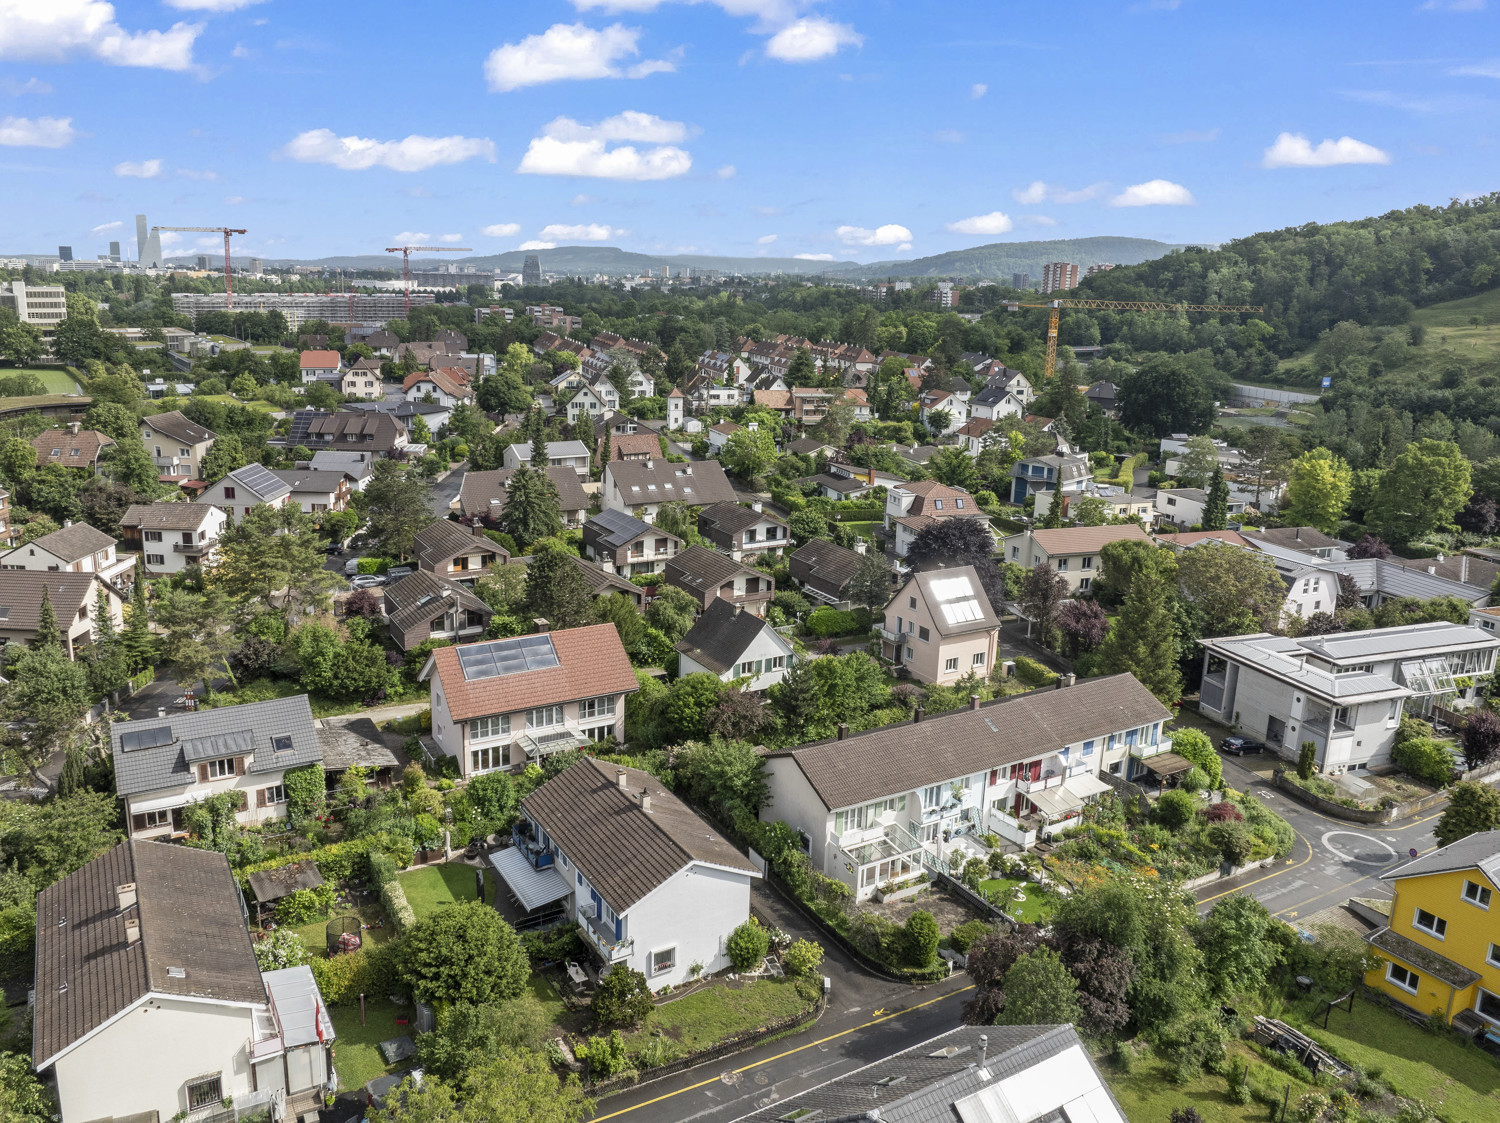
{"points": [[270, 886]]}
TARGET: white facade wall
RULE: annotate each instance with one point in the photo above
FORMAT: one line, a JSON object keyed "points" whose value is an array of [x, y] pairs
{"points": [[457, 738], [420, 390], [250, 783], [161, 556], [676, 411], [694, 913], [1310, 592], [142, 1061], [764, 648]]}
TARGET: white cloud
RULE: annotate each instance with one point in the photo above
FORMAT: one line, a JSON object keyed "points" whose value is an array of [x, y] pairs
{"points": [[189, 173], [1452, 6], [451, 239], [768, 11], [1477, 70], [1039, 192], [728, 171], [412, 238], [414, 154], [813, 256], [242, 51], [1293, 150], [1038, 220], [765, 239], [210, 5], [978, 90], [139, 169], [36, 132], [996, 222], [579, 232], [103, 226], [567, 147], [581, 199], [887, 235], [30, 86], [948, 136], [537, 246], [501, 230], [811, 38], [1154, 193], [568, 50], [54, 30]]}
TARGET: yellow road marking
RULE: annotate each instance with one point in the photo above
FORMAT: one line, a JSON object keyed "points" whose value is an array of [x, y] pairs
{"points": [[800, 1048], [1285, 869]]}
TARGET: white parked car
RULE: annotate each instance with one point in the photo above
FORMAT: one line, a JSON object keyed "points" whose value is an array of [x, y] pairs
{"points": [[367, 581], [351, 567]]}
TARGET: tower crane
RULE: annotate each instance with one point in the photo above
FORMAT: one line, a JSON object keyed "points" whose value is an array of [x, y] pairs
{"points": [[224, 230], [407, 251], [1057, 306]]}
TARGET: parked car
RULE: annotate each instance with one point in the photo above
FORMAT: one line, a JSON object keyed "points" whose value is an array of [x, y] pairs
{"points": [[1238, 746], [398, 571], [368, 581], [333, 549], [351, 567]]}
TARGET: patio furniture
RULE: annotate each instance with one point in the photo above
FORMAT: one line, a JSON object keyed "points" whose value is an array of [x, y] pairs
{"points": [[576, 974]]}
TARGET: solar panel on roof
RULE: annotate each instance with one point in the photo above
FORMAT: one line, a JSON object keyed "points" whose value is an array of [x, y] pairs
{"points": [[146, 738], [507, 657], [258, 478], [951, 588], [958, 612]]}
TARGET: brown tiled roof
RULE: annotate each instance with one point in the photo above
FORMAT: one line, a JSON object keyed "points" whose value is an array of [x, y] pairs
{"points": [[774, 399], [74, 449], [444, 378], [825, 566], [444, 540], [166, 516], [73, 543], [189, 911], [591, 662], [175, 424], [602, 584], [321, 359], [1086, 539], [701, 570], [901, 758], [416, 599], [483, 493], [733, 517], [1193, 537], [367, 366], [21, 596], [623, 445], [624, 851]]}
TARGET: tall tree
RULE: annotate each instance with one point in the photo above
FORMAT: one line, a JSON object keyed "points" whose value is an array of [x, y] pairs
{"points": [[48, 634], [536, 433], [1196, 463], [272, 552], [1216, 510], [1236, 590], [139, 645], [870, 586], [198, 639], [47, 697], [1425, 488], [556, 591], [225, 455], [749, 453], [1043, 591], [532, 508], [1039, 990], [1143, 640], [1318, 491], [399, 503]]}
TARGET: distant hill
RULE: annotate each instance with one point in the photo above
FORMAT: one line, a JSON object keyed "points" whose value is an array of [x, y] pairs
{"points": [[993, 262]]}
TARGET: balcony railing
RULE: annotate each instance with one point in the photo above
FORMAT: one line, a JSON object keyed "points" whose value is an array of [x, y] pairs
{"points": [[890, 636], [602, 936], [539, 857], [191, 547]]}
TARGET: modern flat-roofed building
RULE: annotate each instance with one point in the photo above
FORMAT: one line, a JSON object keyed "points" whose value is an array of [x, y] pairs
{"points": [[42, 306]]}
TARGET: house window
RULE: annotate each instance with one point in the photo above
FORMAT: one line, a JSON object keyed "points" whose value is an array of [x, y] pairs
{"points": [[205, 1092], [1015, 552], [924, 635], [1494, 955], [599, 732], [663, 960], [1477, 894], [1062, 565], [489, 727], [1487, 1006], [276, 793], [229, 493], [152, 535], [151, 820], [487, 759], [1171, 502], [1084, 584], [156, 559], [1403, 977], [1432, 925], [750, 667], [543, 716], [911, 602], [1087, 563], [597, 707], [218, 769], [979, 659], [951, 664], [1088, 748]]}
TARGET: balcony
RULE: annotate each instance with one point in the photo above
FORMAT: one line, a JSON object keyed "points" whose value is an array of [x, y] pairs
{"points": [[890, 636], [539, 857], [602, 936], [193, 548]]}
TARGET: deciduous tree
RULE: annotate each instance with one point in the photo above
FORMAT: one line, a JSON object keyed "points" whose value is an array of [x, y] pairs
{"points": [[1425, 488], [556, 591], [1318, 491], [1043, 591], [1472, 808], [398, 505], [1236, 590]]}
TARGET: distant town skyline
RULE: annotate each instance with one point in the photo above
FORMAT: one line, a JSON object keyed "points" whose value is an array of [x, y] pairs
{"points": [[788, 128]]}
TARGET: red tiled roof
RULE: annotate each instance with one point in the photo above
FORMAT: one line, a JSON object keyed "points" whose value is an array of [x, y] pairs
{"points": [[321, 359], [591, 662]]}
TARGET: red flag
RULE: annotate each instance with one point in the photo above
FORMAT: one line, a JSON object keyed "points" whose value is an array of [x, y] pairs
{"points": [[318, 1019]]}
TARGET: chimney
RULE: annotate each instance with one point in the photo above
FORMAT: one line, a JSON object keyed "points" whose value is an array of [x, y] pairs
{"points": [[1067, 680], [1440, 559], [620, 779], [921, 712], [67, 523], [1298, 535], [757, 506], [132, 930], [74, 426], [984, 1048], [1432, 569], [843, 730], [1463, 568], [540, 624], [861, 546], [645, 801], [126, 895], [161, 712], [973, 701]]}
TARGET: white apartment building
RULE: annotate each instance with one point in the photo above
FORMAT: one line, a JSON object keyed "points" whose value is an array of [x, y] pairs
{"points": [[44, 306]]}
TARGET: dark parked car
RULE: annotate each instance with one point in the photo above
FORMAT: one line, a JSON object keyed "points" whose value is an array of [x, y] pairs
{"points": [[1239, 746]]}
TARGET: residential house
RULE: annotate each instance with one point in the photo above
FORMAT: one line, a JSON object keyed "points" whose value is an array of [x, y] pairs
{"points": [[1180, 540], [177, 445], [707, 574], [931, 402], [560, 454], [1115, 501], [423, 352], [317, 493], [445, 386], [995, 1074], [744, 533], [1062, 472], [811, 446], [76, 548], [246, 488], [627, 546], [358, 466], [1073, 551], [823, 570], [832, 485], [608, 584], [507, 703], [667, 909], [451, 338], [1000, 377], [940, 627], [321, 366], [379, 340], [1105, 395], [171, 537], [631, 446], [640, 487], [74, 598], [483, 494], [164, 765], [704, 394], [149, 1003], [860, 401], [434, 415], [872, 807], [724, 368], [73, 447], [676, 408], [459, 553], [1346, 692], [591, 400], [1185, 505], [423, 606], [735, 645], [363, 380], [354, 430], [971, 434], [1440, 952], [718, 436], [912, 507], [1465, 569]]}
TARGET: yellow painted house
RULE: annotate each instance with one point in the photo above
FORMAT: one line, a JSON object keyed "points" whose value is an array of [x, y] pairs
{"points": [[1440, 951]]}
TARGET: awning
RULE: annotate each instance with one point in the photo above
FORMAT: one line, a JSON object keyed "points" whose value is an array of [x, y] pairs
{"points": [[1087, 785], [1055, 801], [532, 887], [1166, 764], [163, 803]]}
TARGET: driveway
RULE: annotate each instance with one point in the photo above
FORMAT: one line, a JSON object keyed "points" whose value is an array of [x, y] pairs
{"points": [[444, 490]]}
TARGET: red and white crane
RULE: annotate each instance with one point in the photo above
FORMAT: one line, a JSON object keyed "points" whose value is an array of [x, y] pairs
{"points": [[224, 230], [407, 251]]}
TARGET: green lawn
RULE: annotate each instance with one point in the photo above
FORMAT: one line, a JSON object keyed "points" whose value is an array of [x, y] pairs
{"points": [[433, 887], [231, 400], [1148, 1094], [545, 993], [315, 935], [55, 379], [1037, 906], [355, 1056], [716, 1012], [1457, 1079]]}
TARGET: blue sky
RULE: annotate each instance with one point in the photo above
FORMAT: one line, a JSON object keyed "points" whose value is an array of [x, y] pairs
{"points": [[856, 130]]}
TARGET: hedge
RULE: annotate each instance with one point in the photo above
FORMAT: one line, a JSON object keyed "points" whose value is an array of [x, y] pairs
{"points": [[393, 897], [344, 977], [826, 621], [1032, 673], [374, 565], [337, 861]]}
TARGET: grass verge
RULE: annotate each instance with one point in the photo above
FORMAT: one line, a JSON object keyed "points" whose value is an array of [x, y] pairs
{"points": [[355, 1056], [721, 1011], [1037, 906], [433, 887]]}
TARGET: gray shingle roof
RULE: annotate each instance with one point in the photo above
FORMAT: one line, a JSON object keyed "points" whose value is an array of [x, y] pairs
{"points": [[310, 480], [167, 766], [1476, 851], [619, 527], [625, 852], [698, 483], [733, 518], [21, 596], [191, 917], [175, 424], [699, 569], [434, 545], [483, 493], [73, 543], [166, 516], [825, 566], [720, 636], [902, 758], [949, 603], [417, 597], [1293, 537], [603, 584]]}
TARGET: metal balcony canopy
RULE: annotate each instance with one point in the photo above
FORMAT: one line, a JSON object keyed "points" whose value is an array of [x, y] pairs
{"points": [[533, 887]]}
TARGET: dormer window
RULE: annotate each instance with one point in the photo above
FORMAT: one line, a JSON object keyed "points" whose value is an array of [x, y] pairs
{"points": [[281, 744]]}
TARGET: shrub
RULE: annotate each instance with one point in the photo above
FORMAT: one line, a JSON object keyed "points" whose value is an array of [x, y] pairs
{"points": [[969, 933], [306, 788], [343, 978], [1222, 812], [748, 945], [338, 861], [303, 906], [397, 907], [976, 870], [553, 945], [623, 998], [1032, 673], [1232, 840], [1311, 1106], [1307, 759], [605, 1056], [464, 953], [382, 869], [1175, 809], [920, 939], [1413, 729], [1193, 745], [1424, 760], [802, 958], [282, 948], [828, 621]]}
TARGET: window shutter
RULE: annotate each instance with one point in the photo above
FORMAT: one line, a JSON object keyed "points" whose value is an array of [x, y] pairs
{"points": [[202, 773], [138, 822], [260, 797], [239, 766]]}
